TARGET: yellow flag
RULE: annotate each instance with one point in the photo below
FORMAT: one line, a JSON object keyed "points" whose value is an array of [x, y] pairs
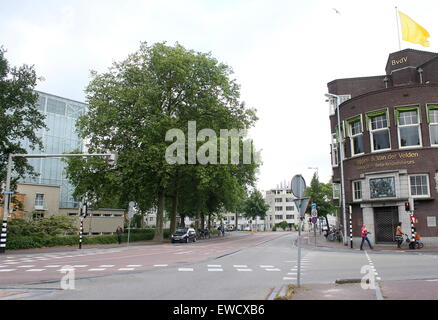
{"points": [[412, 31]]}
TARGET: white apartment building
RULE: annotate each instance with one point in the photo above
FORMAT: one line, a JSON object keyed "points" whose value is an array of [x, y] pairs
{"points": [[281, 206]]}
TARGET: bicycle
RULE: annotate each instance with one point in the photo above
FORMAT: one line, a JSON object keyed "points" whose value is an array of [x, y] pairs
{"points": [[416, 244]]}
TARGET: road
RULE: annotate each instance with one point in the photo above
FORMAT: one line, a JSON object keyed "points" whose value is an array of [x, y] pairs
{"points": [[240, 266]]}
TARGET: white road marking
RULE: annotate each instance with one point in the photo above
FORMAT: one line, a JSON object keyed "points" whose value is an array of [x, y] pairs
{"points": [[215, 270], [240, 266], [134, 265], [35, 270], [80, 266], [106, 266], [287, 278], [7, 270], [29, 266], [266, 266], [184, 252], [161, 265], [185, 269], [433, 280], [275, 269], [244, 270], [214, 266], [97, 269], [126, 269], [12, 262]]}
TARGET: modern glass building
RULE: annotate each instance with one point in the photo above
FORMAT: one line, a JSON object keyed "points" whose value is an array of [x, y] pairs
{"points": [[59, 137]]}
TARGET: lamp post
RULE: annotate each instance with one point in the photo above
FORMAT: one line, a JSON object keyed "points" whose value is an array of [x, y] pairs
{"points": [[341, 161], [8, 194]]}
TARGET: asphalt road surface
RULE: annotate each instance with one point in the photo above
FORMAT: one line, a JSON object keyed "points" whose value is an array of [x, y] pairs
{"points": [[240, 266]]}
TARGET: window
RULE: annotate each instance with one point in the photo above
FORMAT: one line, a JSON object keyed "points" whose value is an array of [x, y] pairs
{"points": [[289, 199], [379, 131], [289, 217], [291, 208], [278, 200], [408, 127], [333, 102], [356, 136], [419, 185], [382, 188], [335, 151], [336, 190], [432, 116], [278, 208], [278, 217], [39, 199], [357, 190], [37, 215]]}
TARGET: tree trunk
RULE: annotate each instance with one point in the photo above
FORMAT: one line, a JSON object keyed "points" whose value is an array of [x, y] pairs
{"points": [[183, 221], [160, 216], [237, 221], [328, 226], [202, 221], [173, 214], [197, 220]]}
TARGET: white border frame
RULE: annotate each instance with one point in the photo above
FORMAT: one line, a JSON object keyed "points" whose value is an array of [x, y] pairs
{"points": [[428, 185]]}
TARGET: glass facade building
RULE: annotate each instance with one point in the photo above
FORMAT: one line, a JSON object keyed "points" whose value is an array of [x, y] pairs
{"points": [[59, 137]]}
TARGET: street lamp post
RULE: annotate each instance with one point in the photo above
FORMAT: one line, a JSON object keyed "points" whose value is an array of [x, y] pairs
{"points": [[341, 161], [8, 194]]}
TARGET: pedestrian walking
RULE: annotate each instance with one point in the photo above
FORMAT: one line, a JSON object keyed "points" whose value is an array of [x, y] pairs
{"points": [[364, 234], [119, 233], [399, 235]]}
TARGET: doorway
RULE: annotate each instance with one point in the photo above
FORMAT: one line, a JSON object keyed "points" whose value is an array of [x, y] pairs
{"points": [[386, 219]]}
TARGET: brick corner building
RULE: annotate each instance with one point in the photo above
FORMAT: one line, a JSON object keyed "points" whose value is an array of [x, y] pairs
{"points": [[389, 125]]}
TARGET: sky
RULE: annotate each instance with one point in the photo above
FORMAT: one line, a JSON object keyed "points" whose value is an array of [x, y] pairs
{"points": [[283, 54]]}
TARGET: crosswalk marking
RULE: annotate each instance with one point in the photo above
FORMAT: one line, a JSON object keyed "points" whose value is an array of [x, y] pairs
{"points": [[134, 265], [244, 270], [96, 269], [7, 270], [240, 266], [106, 266], [214, 266], [275, 269], [288, 278], [185, 269], [126, 269], [161, 265], [215, 269], [30, 266], [432, 280], [266, 266], [52, 266], [35, 270], [80, 266]]}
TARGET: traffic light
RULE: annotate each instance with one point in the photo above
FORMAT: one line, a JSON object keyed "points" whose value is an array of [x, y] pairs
{"points": [[407, 206]]}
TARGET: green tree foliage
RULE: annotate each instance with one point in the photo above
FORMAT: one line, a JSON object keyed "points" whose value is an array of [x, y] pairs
{"points": [[255, 206], [283, 225], [322, 195], [19, 117], [131, 108]]}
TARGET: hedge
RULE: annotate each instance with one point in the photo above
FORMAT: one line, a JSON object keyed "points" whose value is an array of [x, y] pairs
{"points": [[29, 242]]}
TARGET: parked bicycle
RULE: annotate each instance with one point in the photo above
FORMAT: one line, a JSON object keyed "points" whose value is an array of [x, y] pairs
{"points": [[335, 235]]}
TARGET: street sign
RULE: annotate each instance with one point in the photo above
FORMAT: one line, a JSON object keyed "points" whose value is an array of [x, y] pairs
{"points": [[131, 209], [314, 220], [301, 205], [298, 186]]}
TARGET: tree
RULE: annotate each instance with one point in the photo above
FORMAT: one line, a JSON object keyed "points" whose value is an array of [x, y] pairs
{"points": [[255, 206], [20, 119], [133, 106], [322, 195]]}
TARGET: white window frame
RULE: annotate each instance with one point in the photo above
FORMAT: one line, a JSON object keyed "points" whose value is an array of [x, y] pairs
{"points": [[431, 124], [427, 182], [354, 190], [354, 136], [39, 201], [335, 151], [372, 131], [338, 189], [407, 126]]}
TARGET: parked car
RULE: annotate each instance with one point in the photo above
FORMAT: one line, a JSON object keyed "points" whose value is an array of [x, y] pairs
{"points": [[184, 235]]}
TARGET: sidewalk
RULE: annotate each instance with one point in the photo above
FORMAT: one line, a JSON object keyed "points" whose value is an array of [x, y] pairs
{"points": [[308, 240]]}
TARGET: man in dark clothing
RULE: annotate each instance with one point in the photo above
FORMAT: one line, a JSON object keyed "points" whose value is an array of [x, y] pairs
{"points": [[119, 233]]}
